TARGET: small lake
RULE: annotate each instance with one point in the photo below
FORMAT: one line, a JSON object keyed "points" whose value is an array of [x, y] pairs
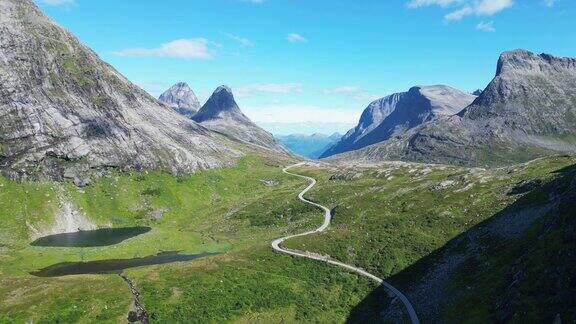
{"points": [[115, 265], [99, 237]]}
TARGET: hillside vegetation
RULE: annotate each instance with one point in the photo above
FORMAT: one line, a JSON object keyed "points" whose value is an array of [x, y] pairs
{"points": [[453, 238]]}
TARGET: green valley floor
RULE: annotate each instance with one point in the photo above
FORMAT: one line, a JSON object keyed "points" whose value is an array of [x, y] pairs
{"points": [[388, 219]]}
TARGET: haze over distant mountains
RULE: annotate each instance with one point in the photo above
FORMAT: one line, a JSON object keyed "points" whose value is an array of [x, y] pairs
{"points": [[527, 111], [395, 114], [310, 146]]}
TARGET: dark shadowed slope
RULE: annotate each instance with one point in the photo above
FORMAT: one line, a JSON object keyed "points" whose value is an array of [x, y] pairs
{"points": [[517, 266]]}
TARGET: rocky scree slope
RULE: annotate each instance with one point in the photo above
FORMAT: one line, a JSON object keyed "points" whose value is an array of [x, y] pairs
{"points": [[395, 114], [528, 110], [182, 99], [222, 114], [63, 111]]}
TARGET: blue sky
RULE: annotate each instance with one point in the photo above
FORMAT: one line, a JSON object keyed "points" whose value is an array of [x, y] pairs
{"points": [[305, 66]]}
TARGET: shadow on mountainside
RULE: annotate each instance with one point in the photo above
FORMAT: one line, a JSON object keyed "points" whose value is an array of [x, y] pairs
{"points": [[516, 266]]}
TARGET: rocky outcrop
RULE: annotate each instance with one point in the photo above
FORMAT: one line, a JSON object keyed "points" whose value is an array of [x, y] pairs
{"points": [[65, 112], [527, 111], [394, 115], [222, 114], [182, 99], [68, 219]]}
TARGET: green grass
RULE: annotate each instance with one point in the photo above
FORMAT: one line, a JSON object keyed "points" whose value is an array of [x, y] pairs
{"points": [[229, 211], [386, 219]]}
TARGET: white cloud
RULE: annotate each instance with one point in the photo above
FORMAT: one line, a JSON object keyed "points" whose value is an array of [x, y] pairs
{"points": [[366, 97], [240, 40], [278, 113], [486, 26], [296, 38], [347, 90], [426, 3], [192, 48], [56, 2], [354, 92], [268, 88], [549, 3], [463, 8]]}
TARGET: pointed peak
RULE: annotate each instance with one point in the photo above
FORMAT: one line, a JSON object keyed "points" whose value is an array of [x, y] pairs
{"points": [[221, 105], [181, 98], [223, 90], [180, 85]]}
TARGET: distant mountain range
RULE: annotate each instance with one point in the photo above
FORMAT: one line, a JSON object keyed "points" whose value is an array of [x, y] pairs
{"points": [[395, 114], [310, 146], [527, 111]]}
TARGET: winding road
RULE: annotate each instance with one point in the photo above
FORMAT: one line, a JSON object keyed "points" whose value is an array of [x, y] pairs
{"points": [[327, 218]]}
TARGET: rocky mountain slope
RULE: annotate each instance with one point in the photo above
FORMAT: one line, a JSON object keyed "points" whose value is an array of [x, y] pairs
{"points": [[527, 111], [222, 114], [395, 114], [64, 111], [181, 98], [311, 146]]}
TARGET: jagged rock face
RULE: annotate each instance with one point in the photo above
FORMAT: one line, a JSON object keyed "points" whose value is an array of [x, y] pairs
{"points": [[222, 114], [527, 111], [63, 111], [397, 113], [533, 93], [182, 99]]}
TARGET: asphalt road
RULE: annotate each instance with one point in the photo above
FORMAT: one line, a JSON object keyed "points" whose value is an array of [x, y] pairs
{"points": [[393, 292]]}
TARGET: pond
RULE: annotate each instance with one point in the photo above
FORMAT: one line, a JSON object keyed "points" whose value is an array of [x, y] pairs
{"points": [[114, 265], [99, 237]]}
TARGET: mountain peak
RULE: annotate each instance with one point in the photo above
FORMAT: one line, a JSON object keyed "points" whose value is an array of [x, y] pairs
{"points": [[222, 114], [397, 113], [223, 90], [182, 99], [221, 105], [521, 60]]}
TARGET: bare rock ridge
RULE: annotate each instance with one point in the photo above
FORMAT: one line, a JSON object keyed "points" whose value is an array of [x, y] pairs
{"points": [[63, 111], [528, 110], [181, 98], [222, 114], [395, 114]]}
